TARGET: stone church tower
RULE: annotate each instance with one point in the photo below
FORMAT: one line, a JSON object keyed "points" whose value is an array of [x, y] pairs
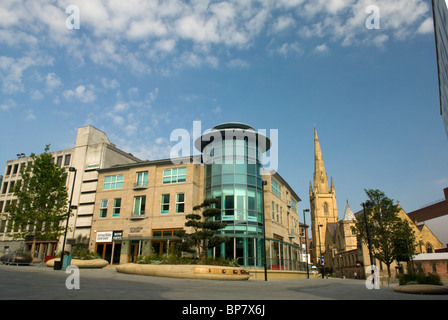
{"points": [[323, 206]]}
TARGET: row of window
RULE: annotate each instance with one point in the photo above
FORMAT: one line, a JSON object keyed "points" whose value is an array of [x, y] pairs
{"points": [[277, 215], [139, 207], [20, 167], [169, 176]]}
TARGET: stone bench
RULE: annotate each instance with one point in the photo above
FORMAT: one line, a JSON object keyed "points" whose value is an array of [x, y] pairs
{"points": [[206, 272]]}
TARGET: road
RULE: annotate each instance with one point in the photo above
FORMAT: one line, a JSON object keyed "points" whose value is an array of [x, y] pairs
{"points": [[43, 283]]}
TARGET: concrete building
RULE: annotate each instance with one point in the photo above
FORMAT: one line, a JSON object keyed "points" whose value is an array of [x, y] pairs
{"points": [[139, 206], [440, 19], [93, 150], [435, 217]]}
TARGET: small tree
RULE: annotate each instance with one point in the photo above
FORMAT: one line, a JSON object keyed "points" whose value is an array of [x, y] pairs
{"points": [[205, 229], [41, 203], [404, 243], [382, 221]]}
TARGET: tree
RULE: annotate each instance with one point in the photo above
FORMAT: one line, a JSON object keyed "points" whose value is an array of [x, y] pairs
{"points": [[405, 245], [384, 224], [205, 229], [41, 203]]}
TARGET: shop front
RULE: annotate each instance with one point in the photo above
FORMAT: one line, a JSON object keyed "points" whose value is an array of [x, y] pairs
{"points": [[108, 245]]}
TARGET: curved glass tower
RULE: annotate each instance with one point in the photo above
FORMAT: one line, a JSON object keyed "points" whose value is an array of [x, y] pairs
{"points": [[232, 153]]}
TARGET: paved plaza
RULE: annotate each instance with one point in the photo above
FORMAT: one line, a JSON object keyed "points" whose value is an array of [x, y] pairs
{"points": [[43, 283]]}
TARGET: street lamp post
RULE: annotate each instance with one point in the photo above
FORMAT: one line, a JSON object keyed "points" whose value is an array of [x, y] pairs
{"points": [[263, 183], [70, 169], [320, 251], [306, 243], [368, 204]]}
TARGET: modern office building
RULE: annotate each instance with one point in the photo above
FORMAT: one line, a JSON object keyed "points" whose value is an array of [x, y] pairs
{"points": [[440, 18], [139, 206], [93, 150]]}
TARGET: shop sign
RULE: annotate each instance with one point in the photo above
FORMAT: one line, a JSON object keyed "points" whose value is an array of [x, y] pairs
{"points": [[104, 236], [117, 236]]}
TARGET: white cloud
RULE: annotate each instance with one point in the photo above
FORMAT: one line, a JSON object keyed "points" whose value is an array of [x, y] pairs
{"points": [[238, 63], [81, 93], [7, 105], [144, 36], [426, 27], [12, 70], [322, 48], [30, 115], [52, 81]]}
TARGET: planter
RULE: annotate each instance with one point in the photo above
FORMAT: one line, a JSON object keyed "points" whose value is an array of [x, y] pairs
{"points": [[422, 289], [95, 263], [205, 272]]}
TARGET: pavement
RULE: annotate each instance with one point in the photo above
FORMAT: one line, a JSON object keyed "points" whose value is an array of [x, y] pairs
{"points": [[43, 283]]}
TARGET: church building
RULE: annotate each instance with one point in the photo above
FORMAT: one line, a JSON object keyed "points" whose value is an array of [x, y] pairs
{"points": [[336, 249]]}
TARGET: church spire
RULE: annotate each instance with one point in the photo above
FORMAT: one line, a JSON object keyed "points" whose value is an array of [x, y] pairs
{"points": [[320, 176]]}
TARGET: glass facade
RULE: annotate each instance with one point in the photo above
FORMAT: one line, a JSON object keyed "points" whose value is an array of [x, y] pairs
{"points": [[233, 175]]}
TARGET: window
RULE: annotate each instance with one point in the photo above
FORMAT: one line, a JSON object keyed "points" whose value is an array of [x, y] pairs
{"points": [[103, 208], [142, 179], [113, 182], [59, 161], [11, 186], [16, 168], [67, 159], [5, 187], [8, 170], [276, 188], [180, 203], [273, 211], [139, 206], [326, 208], [174, 175], [165, 204], [116, 208]]}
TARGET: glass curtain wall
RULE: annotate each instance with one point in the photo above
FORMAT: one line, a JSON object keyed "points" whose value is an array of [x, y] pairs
{"points": [[233, 176]]}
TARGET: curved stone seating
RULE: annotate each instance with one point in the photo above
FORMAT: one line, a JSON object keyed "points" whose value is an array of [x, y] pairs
{"points": [[422, 289], [205, 272], [95, 263]]}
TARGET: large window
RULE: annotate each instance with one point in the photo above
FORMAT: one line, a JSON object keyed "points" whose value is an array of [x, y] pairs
{"points": [[142, 179], [165, 204], [174, 175], [276, 188], [103, 208], [117, 207], [180, 203], [113, 182], [139, 206]]}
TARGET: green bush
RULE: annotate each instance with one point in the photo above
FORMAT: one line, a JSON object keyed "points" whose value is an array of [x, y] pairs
{"points": [[419, 278], [154, 258]]}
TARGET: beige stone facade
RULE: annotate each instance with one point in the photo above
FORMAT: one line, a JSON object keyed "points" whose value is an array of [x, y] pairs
{"points": [[122, 236], [151, 228]]}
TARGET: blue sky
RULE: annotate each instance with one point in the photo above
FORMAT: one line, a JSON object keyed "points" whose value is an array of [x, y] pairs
{"points": [[140, 69]]}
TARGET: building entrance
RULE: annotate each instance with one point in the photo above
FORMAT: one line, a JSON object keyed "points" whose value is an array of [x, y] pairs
{"points": [[109, 252]]}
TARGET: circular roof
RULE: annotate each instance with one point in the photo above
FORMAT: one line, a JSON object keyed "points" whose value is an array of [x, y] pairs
{"points": [[231, 127]]}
